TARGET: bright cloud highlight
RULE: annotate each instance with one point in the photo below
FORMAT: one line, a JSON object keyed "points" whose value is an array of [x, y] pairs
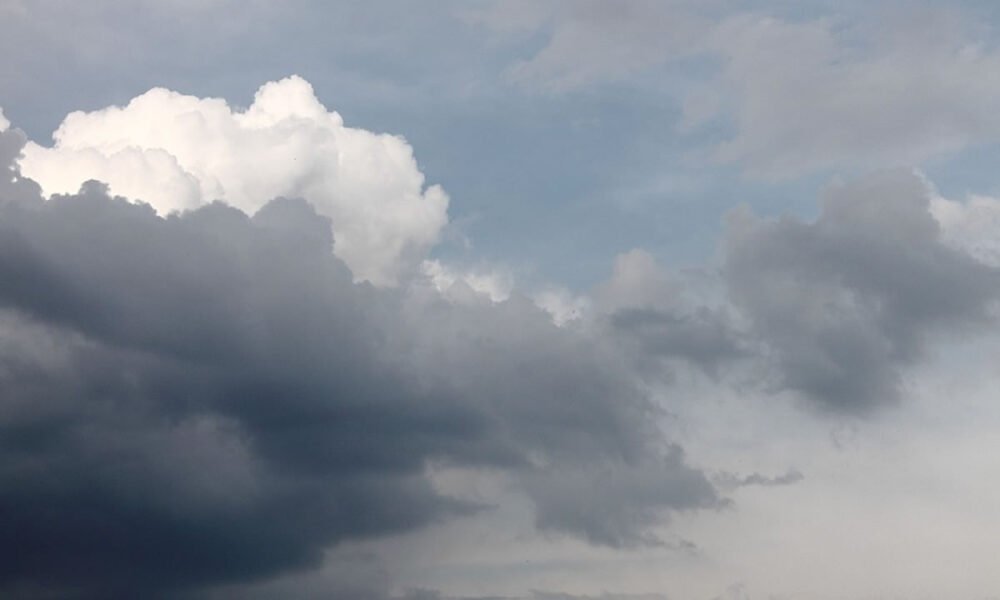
{"points": [[179, 152]]}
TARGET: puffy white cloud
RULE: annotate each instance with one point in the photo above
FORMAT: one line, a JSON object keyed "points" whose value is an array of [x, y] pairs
{"points": [[178, 152], [4, 123]]}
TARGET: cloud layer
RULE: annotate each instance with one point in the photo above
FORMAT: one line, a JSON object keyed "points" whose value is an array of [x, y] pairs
{"points": [[208, 397], [792, 94]]}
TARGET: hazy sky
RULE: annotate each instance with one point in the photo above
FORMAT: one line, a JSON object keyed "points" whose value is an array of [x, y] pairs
{"points": [[553, 300]]}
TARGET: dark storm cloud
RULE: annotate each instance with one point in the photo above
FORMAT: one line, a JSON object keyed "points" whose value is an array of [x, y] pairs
{"points": [[841, 304], [208, 398]]}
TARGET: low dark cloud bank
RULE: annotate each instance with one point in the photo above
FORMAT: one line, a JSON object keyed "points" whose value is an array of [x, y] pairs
{"points": [[207, 398]]}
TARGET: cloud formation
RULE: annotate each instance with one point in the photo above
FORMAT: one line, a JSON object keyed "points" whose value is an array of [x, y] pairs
{"points": [[179, 152], [793, 95], [208, 397], [819, 94], [842, 303], [832, 310], [660, 319], [615, 505]]}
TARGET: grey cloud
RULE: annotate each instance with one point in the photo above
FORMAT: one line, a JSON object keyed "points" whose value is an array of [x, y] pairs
{"points": [[13, 187], [736, 591], [704, 337], [207, 398], [628, 500], [786, 479], [853, 86], [658, 317], [597, 41], [534, 595], [832, 310], [803, 97], [353, 576], [605, 596], [841, 304], [732, 480]]}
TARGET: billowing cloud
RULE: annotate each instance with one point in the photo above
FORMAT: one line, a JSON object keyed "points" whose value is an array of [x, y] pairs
{"points": [[178, 152], [832, 310], [207, 397], [842, 303]]}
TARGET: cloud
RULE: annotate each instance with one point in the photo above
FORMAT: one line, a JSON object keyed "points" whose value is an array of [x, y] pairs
{"points": [[704, 338], [178, 152], [825, 93], [167, 420], [638, 282], [564, 306], [453, 282], [421, 594], [732, 480], [846, 88], [596, 41], [834, 310], [660, 318], [614, 505], [970, 226], [842, 303], [427, 594], [13, 187], [736, 591], [208, 397], [538, 595]]}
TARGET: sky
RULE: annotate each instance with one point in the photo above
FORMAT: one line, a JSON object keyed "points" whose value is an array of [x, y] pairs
{"points": [[509, 300]]}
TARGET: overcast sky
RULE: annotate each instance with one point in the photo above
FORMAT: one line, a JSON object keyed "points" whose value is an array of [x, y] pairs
{"points": [[581, 300]]}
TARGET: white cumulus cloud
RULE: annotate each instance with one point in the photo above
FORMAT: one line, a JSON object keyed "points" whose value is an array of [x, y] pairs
{"points": [[178, 152]]}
